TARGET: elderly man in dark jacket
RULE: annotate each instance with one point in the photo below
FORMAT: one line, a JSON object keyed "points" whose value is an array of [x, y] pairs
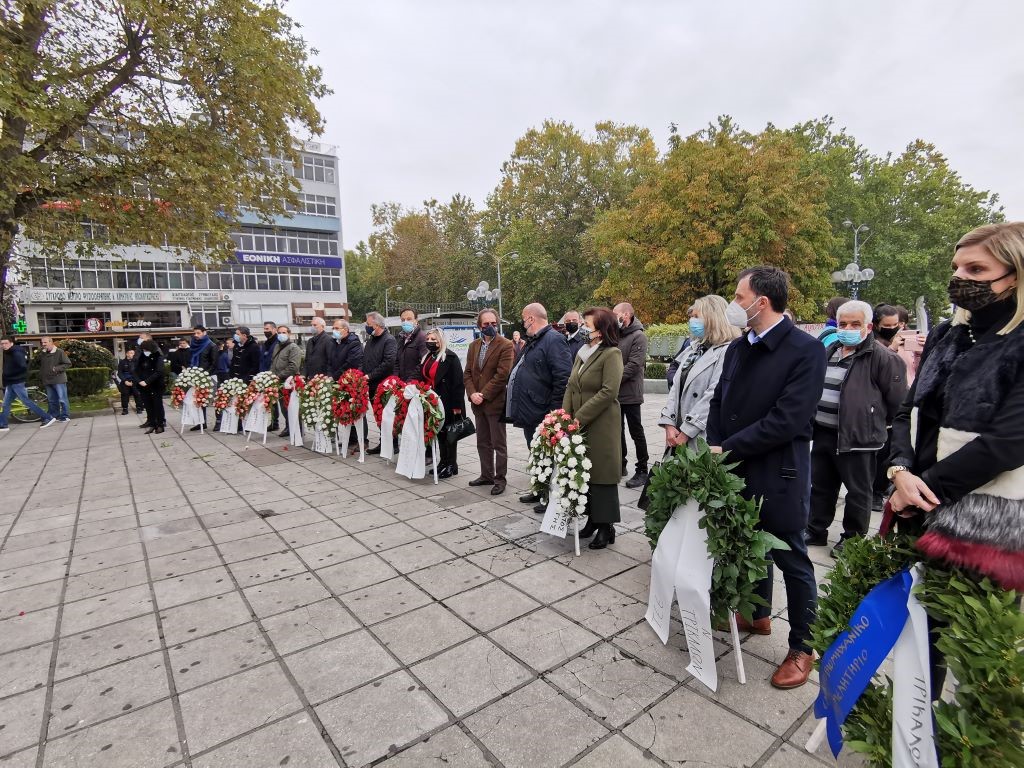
{"points": [[865, 383], [633, 346], [347, 352], [537, 382], [575, 334], [378, 357], [318, 350], [761, 414], [411, 348]]}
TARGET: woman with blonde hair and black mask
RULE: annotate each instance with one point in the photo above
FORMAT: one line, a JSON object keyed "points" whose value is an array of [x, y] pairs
{"points": [[685, 414]]}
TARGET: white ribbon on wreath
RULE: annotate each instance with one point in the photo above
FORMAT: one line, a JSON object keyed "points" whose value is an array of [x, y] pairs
{"points": [[321, 441], [229, 418], [256, 418], [343, 433], [412, 460], [387, 428], [191, 414], [295, 436], [913, 731]]}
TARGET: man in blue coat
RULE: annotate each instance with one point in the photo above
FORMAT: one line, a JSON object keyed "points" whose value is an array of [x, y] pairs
{"points": [[762, 413]]}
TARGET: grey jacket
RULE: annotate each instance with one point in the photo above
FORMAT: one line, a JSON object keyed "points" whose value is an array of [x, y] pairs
{"points": [[689, 400], [286, 360], [633, 346], [52, 366]]}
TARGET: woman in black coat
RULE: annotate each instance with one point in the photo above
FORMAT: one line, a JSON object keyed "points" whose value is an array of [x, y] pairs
{"points": [[442, 370], [151, 381]]}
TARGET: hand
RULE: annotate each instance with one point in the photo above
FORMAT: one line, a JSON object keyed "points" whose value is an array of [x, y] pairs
{"points": [[715, 448], [897, 343], [912, 491], [476, 398], [671, 436], [142, 383], [457, 411]]}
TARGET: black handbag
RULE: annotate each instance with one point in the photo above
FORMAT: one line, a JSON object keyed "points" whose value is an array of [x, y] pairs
{"points": [[644, 501], [458, 430]]}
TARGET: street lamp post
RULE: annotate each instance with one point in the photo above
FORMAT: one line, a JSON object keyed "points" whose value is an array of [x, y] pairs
{"points": [[498, 293], [387, 312], [853, 274]]}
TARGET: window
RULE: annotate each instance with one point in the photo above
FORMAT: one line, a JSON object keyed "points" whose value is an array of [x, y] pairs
{"points": [[68, 322], [295, 241], [316, 169]]}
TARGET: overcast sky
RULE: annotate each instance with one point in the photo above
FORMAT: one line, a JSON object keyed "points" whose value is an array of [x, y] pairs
{"points": [[429, 97]]}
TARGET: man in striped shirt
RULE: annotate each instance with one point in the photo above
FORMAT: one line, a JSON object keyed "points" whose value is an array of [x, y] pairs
{"points": [[865, 382]]}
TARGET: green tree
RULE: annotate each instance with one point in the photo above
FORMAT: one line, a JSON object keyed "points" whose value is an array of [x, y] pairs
{"points": [[551, 189], [364, 277], [147, 119], [719, 201]]}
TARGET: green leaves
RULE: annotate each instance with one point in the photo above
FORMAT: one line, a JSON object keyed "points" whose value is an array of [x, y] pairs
{"points": [[738, 547]]}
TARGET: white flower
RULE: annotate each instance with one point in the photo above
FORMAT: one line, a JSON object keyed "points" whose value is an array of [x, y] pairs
{"points": [[587, 464], [572, 463], [584, 488], [564, 442], [581, 509], [577, 439], [564, 504], [581, 450]]}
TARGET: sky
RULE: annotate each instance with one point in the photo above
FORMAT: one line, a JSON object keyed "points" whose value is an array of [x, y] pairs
{"points": [[430, 97]]}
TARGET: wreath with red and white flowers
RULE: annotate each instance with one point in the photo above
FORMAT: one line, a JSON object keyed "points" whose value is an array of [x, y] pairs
{"points": [[558, 452], [316, 411], [189, 378], [352, 398], [266, 384], [228, 391], [433, 412], [390, 388]]}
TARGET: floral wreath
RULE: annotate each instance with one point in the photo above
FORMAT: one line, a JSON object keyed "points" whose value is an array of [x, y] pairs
{"points": [[352, 397], [228, 391], [266, 384], [298, 382], [559, 451], [433, 411], [316, 404], [391, 387], [193, 377]]}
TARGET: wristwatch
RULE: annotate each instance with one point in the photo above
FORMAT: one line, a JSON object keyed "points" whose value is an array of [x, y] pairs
{"points": [[892, 471]]}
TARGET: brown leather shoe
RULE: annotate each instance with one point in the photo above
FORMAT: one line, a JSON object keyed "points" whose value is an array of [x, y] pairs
{"points": [[794, 671], [498, 489], [759, 627], [480, 481]]}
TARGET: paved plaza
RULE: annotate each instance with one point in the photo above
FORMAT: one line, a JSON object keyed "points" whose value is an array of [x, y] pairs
{"points": [[200, 601]]}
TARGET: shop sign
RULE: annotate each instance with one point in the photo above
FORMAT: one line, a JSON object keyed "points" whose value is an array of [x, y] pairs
{"points": [[102, 296], [288, 260]]}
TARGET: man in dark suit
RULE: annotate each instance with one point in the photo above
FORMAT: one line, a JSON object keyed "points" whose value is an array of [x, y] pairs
{"points": [[762, 413], [488, 364]]}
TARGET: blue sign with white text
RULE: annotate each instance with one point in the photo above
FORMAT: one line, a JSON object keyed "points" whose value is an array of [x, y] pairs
{"points": [[288, 260]]}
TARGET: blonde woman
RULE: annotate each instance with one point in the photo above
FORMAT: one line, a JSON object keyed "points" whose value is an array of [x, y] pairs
{"points": [[442, 370], [685, 414]]}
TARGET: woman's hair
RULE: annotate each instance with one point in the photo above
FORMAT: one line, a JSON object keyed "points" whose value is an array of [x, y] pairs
{"points": [[1005, 242], [717, 329], [442, 343], [604, 323], [150, 346]]}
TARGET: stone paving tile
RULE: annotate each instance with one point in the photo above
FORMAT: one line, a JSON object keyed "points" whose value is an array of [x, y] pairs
{"points": [[266, 568], [616, 752], [24, 759], [534, 726], [387, 536], [146, 738], [276, 596], [21, 631], [27, 575], [209, 658], [423, 632], [385, 600], [466, 541], [24, 670], [108, 692], [450, 577], [181, 542], [495, 673], [180, 563], [339, 665], [505, 559], [416, 555], [106, 608], [543, 639], [314, 623], [491, 605], [247, 549], [314, 533], [333, 551], [721, 739], [356, 573], [353, 720], [41, 554], [192, 587], [294, 741], [106, 580], [204, 617], [224, 709], [451, 749], [21, 717], [548, 581], [602, 609], [97, 648]]}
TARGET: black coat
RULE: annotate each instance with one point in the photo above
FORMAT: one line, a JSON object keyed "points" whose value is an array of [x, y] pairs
{"points": [[126, 370], [379, 359], [245, 362], [318, 355], [762, 413], [541, 374], [576, 343], [150, 370], [180, 360], [346, 353], [411, 350], [207, 357], [267, 353], [448, 383]]}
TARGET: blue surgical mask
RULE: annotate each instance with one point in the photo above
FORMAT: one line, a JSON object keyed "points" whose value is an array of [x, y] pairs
{"points": [[696, 327], [336, 334], [138, 342], [146, 352], [369, 329], [282, 337], [849, 338], [237, 338], [408, 326]]}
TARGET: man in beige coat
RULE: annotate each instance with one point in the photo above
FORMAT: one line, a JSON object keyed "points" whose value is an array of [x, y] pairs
{"points": [[488, 364]]}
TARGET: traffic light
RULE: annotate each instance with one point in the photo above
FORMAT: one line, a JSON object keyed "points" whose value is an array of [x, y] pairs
{"points": [[20, 326]]}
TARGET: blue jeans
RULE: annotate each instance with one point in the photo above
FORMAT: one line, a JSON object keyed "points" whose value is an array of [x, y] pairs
{"points": [[57, 401], [19, 391]]}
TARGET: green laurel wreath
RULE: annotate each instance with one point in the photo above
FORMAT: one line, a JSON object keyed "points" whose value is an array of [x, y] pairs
{"points": [[980, 633], [738, 547]]}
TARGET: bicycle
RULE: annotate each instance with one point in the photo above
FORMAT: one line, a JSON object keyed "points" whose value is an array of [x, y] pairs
{"points": [[22, 414]]}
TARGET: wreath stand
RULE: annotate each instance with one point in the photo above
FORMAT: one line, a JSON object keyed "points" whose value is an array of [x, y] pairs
{"points": [[556, 521], [191, 414], [256, 419]]}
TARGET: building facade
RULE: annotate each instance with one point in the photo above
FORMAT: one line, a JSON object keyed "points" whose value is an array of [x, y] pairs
{"points": [[286, 272]]}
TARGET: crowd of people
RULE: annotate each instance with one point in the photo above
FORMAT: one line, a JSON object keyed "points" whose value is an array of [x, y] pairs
{"points": [[869, 405]]}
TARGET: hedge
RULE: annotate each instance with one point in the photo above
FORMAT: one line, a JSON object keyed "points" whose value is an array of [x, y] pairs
{"points": [[87, 381], [656, 371]]}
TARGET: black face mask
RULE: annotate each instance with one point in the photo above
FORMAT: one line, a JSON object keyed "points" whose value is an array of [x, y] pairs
{"points": [[268, 334], [489, 331], [572, 327], [887, 333], [433, 346], [973, 295]]}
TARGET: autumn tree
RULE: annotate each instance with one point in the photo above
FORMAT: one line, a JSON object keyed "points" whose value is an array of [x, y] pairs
{"points": [[147, 119], [551, 189], [720, 200]]}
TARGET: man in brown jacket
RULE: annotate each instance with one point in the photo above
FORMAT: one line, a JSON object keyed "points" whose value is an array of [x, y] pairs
{"points": [[488, 364]]}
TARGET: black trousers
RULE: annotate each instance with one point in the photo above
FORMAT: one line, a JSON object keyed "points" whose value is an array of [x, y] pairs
{"points": [[126, 393], [829, 470], [153, 402], [882, 465], [801, 588], [631, 416]]}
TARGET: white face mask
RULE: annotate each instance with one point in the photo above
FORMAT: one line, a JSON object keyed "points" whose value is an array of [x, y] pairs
{"points": [[737, 315]]}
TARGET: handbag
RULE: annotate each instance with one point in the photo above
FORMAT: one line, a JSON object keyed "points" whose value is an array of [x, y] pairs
{"points": [[458, 430], [645, 500]]}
